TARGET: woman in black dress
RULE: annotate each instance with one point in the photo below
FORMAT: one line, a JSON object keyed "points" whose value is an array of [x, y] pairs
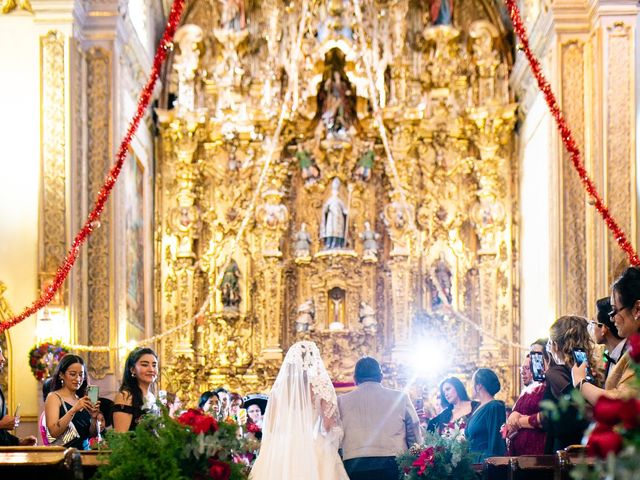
{"points": [[135, 397], [68, 408], [457, 408]]}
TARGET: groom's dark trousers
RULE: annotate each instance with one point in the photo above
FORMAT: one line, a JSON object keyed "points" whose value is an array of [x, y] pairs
{"points": [[372, 468]]}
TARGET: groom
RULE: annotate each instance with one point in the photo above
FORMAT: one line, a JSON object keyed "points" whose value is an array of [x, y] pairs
{"points": [[379, 423]]}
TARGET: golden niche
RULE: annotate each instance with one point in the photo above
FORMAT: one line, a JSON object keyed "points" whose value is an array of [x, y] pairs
{"points": [[338, 249]]}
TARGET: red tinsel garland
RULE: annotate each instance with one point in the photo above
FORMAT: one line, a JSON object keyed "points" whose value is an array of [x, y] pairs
{"points": [[92, 221], [567, 136]]}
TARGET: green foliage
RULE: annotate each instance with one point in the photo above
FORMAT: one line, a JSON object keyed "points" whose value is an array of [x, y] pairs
{"points": [[162, 448], [155, 450], [446, 458]]}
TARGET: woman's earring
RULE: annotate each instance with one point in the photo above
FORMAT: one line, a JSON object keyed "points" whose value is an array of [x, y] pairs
{"points": [[133, 374]]}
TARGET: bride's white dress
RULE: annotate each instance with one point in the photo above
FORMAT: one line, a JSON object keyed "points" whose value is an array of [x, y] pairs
{"points": [[302, 431]]}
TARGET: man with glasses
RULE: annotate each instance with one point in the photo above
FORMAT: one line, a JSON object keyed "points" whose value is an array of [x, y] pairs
{"points": [[605, 332]]}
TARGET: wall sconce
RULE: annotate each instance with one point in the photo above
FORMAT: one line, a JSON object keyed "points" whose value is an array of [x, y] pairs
{"points": [[52, 324]]}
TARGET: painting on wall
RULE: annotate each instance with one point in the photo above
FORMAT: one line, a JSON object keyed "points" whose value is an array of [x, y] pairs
{"points": [[134, 231]]}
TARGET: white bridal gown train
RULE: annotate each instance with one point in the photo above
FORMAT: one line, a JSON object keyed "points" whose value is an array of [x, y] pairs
{"points": [[301, 431]]}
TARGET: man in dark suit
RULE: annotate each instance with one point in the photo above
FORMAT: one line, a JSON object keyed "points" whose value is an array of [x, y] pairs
{"points": [[379, 423], [8, 422]]}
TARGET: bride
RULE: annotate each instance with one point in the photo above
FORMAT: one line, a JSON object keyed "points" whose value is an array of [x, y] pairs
{"points": [[301, 430]]}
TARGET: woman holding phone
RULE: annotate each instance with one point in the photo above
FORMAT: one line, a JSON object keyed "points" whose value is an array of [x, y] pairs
{"points": [[70, 416], [567, 334], [135, 397], [625, 314]]}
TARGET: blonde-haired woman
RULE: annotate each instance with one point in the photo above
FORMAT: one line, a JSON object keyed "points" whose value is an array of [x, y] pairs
{"points": [[565, 335]]}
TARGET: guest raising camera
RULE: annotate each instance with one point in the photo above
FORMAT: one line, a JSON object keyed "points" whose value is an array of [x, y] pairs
{"points": [[70, 417]]}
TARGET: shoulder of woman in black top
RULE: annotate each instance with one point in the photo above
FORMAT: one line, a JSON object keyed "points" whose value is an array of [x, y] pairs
{"points": [[440, 419]]}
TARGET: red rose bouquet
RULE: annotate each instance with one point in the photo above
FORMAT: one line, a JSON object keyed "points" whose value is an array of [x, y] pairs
{"points": [[615, 436]]}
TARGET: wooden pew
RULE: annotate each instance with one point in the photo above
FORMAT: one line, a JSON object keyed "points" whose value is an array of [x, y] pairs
{"points": [[51, 463], [91, 460]]}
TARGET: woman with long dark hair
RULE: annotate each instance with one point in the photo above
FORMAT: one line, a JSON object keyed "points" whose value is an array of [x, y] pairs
{"points": [[70, 417], [135, 397], [457, 408]]}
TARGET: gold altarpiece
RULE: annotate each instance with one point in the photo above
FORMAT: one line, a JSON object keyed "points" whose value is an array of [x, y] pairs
{"points": [[444, 226]]}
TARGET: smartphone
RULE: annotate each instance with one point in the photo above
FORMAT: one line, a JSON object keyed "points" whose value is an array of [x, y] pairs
{"points": [[93, 392], [580, 357], [17, 411], [537, 366]]}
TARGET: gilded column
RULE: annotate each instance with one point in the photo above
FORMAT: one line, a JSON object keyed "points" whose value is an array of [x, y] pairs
{"points": [[99, 251], [53, 204]]}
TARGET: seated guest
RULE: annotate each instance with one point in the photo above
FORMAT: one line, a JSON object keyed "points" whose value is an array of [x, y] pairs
{"points": [[483, 429], [42, 422], [457, 408], [9, 422], [223, 396], [135, 397], [235, 405], [174, 404], [625, 313], [209, 403], [71, 418], [565, 334], [528, 440], [256, 404]]}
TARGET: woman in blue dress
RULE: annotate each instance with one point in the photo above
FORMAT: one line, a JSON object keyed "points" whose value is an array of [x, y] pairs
{"points": [[483, 429]]}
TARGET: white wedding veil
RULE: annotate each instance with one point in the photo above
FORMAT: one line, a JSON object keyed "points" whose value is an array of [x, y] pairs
{"points": [[302, 422]]}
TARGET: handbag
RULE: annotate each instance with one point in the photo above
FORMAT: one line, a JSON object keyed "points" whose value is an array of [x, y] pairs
{"points": [[70, 433]]}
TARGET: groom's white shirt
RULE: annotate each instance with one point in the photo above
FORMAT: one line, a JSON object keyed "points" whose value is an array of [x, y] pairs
{"points": [[377, 422]]}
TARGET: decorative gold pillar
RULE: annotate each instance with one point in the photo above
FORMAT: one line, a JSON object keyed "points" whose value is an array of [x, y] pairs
{"points": [[53, 204], [99, 159]]}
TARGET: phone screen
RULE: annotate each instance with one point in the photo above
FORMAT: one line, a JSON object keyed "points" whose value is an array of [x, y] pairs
{"points": [[92, 393], [537, 366], [580, 356]]}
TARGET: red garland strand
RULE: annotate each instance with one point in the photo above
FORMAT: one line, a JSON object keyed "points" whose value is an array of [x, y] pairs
{"points": [[92, 221], [567, 137]]}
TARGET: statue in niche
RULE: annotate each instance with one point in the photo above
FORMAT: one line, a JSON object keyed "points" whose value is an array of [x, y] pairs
{"points": [[337, 110], [302, 242], [230, 287], [442, 275], [369, 242], [308, 167], [232, 16], [368, 318], [337, 297], [306, 315], [441, 12], [333, 226], [365, 164]]}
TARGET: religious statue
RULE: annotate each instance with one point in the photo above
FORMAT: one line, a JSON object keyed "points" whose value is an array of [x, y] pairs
{"points": [[365, 165], [233, 16], [230, 287], [302, 243], [305, 318], [369, 243], [336, 112], [399, 220], [442, 275], [441, 12], [308, 167], [368, 318], [333, 226]]}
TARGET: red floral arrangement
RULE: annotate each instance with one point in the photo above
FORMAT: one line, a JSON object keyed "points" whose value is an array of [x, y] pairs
{"points": [[218, 447], [616, 433], [44, 358]]}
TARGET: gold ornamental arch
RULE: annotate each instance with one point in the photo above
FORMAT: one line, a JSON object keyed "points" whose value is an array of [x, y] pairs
{"points": [[338, 250]]}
